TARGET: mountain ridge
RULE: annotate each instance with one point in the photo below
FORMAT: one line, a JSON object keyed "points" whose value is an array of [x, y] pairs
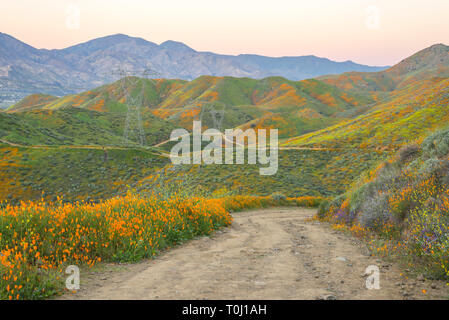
{"points": [[430, 62], [26, 70]]}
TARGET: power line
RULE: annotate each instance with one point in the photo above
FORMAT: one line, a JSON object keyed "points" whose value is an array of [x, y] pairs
{"points": [[129, 82], [215, 109]]}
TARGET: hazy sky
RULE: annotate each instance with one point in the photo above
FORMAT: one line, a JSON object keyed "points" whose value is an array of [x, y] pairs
{"points": [[376, 32]]}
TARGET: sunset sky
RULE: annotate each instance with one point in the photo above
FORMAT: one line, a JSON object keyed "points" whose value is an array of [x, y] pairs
{"points": [[375, 32]]}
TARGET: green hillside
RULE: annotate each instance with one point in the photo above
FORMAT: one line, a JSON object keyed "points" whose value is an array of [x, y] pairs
{"points": [[300, 173], [425, 64], [295, 107], [331, 131], [412, 112], [74, 173], [34, 101], [76, 126]]}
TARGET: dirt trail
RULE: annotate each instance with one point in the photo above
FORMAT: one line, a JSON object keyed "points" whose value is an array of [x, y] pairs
{"points": [[12, 144], [265, 254]]}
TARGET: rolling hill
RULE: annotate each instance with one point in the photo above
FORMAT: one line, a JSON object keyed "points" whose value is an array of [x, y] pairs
{"points": [[334, 129], [295, 107], [76, 126], [415, 101], [411, 113], [411, 100], [427, 63]]}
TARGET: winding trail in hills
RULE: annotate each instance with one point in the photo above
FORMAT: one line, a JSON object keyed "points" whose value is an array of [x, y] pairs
{"points": [[159, 152], [265, 254], [89, 147], [160, 144]]}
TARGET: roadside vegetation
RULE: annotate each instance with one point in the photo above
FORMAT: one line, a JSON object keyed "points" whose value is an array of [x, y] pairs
{"points": [[38, 240], [317, 173], [402, 206]]}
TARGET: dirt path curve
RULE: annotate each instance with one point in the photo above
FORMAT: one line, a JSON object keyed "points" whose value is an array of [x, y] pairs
{"points": [[265, 254]]}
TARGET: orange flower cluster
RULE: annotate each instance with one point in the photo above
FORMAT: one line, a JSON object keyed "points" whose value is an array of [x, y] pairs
{"points": [[236, 203], [37, 238]]}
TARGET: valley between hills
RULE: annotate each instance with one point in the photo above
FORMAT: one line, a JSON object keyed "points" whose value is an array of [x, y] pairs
{"points": [[370, 148], [332, 129]]}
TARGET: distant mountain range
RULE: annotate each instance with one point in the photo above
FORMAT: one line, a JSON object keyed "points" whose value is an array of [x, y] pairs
{"points": [[25, 70]]}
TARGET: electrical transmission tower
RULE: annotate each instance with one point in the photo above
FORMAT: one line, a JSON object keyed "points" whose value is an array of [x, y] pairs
{"points": [[132, 84], [214, 110]]}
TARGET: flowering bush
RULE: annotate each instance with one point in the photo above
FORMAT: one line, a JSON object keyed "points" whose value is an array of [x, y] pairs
{"points": [[406, 201]]}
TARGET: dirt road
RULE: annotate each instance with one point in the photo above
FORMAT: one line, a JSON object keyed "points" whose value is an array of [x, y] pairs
{"points": [[265, 254]]}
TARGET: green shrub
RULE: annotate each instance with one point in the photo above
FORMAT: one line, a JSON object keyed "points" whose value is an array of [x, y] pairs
{"points": [[408, 153], [375, 211], [437, 144], [401, 210], [323, 209], [442, 172], [386, 176], [430, 166], [336, 203], [358, 196], [277, 196]]}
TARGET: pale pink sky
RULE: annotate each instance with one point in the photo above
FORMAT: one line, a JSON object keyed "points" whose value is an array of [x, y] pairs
{"points": [[376, 32]]}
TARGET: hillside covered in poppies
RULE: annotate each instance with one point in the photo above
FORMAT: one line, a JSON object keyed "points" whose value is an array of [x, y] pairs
{"points": [[332, 129]]}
